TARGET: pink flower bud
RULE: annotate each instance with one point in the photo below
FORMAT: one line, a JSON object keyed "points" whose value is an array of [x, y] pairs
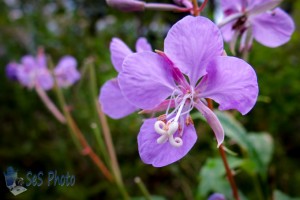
{"points": [[126, 5]]}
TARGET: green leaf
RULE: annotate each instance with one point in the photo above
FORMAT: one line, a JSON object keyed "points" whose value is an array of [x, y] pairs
{"points": [[263, 145], [254, 145], [212, 176], [233, 129]]}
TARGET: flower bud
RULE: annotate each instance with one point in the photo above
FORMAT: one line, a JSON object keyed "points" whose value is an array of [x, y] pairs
{"points": [[216, 196], [185, 3], [126, 5]]}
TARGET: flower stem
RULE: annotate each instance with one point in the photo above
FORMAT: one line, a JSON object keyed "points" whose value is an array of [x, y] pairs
{"points": [[86, 149], [165, 7], [106, 133], [96, 126], [224, 159], [111, 150], [142, 187], [195, 8], [50, 105], [202, 6], [229, 174]]}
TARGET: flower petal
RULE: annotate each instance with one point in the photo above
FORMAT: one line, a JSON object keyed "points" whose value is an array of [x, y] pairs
{"points": [[273, 28], [259, 7], [160, 155], [146, 79], [213, 121], [66, 72], [119, 50], [227, 31], [230, 6], [191, 42], [231, 82], [44, 78], [28, 62], [113, 102], [142, 45], [12, 70]]}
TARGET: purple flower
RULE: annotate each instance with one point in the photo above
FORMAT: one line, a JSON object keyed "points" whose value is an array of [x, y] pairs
{"points": [[258, 19], [157, 82], [65, 72], [111, 98], [12, 70], [216, 196], [32, 72]]}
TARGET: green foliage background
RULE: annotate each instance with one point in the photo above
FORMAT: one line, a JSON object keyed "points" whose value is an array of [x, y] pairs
{"points": [[32, 140]]}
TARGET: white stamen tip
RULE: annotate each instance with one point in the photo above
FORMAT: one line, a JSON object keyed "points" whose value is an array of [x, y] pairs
{"points": [[173, 127], [176, 142], [159, 127]]}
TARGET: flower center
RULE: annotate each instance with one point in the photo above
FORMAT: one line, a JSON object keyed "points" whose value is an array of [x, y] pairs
{"points": [[240, 24], [174, 121]]}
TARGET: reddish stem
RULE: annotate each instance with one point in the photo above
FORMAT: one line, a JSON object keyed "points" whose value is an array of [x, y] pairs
{"points": [[229, 174], [87, 150], [202, 6], [224, 159], [195, 8]]}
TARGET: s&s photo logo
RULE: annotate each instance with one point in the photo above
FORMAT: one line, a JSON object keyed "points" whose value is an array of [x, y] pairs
{"points": [[13, 182]]}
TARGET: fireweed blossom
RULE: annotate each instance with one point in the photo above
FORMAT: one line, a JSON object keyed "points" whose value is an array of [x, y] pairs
{"points": [[65, 72], [111, 98], [157, 82], [258, 19], [32, 71]]}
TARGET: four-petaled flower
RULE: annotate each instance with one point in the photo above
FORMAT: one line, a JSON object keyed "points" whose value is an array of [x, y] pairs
{"points": [[32, 71], [258, 19], [111, 98], [190, 69]]}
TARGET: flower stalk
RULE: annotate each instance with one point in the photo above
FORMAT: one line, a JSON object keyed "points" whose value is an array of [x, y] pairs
{"points": [[195, 8], [50, 105], [201, 8], [143, 188], [225, 162], [86, 149]]}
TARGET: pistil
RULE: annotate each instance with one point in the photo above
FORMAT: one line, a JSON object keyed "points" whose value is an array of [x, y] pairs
{"points": [[167, 129]]}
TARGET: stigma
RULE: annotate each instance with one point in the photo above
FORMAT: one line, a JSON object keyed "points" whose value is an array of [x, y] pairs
{"points": [[167, 132], [172, 123]]}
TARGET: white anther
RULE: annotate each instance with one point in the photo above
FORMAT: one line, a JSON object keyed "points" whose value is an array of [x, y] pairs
{"points": [[159, 127], [175, 142]]}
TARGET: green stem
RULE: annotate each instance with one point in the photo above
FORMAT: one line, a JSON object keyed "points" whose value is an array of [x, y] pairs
{"points": [[257, 188], [99, 139], [143, 188], [77, 135], [86, 149], [95, 127], [107, 137]]}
